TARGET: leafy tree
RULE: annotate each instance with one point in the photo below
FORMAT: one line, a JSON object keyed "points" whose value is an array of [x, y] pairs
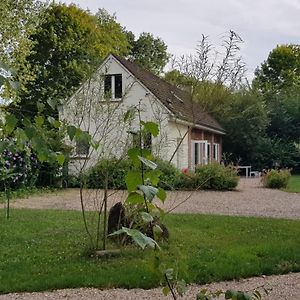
{"points": [[68, 46], [19, 20], [280, 71], [149, 52]]}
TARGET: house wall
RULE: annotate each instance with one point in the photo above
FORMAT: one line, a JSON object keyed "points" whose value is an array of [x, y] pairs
{"points": [[104, 119], [178, 140], [210, 137]]}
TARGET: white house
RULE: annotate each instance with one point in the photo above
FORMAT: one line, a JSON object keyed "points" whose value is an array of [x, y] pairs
{"points": [[188, 135]]}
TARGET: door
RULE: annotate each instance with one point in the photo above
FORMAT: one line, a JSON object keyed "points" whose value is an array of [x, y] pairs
{"points": [[199, 153]]}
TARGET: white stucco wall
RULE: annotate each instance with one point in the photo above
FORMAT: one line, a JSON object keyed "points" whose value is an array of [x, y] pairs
{"points": [[104, 120]]}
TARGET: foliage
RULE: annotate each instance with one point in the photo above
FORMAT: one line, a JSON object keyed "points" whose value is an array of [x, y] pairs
{"points": [[208, 248], [212, 176], [142, 185], [206, 294], [149, 52], [18, 168], [280, 71], [19, 19], [215, 176], [68, 46], [276, 179], [169, 174], [115, 171]]}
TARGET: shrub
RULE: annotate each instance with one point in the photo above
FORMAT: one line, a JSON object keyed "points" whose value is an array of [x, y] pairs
{"points": [[276, 179], [169, 176], [21, 165], [116, 170], [215, 176]]}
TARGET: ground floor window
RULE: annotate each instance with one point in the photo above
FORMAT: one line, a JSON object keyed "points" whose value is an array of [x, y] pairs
{"points": [[200, 152], [216, 152]]}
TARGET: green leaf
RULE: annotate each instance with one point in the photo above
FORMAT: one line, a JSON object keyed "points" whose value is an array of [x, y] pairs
{"points": [[134, 154], [52, 103], [166, 291], [169, 273], [39, 121], [133, 179], [161, 194], [60, 159], [148, 162], [181, 287], [147, 218], [153, 177], [135, 198], [40, 107], [152, 128], [138, 237], [10, 123], [149, 191], [71, 130], [41, 157]]}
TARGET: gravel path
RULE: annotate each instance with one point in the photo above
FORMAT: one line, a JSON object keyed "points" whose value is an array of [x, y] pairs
{"points": [[250, 199], [284, 287]]}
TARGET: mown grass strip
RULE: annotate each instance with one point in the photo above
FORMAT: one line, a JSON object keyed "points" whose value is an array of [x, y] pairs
{"points": [[44, 250]]}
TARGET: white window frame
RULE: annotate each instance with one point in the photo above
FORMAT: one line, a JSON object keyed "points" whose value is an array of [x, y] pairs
{"points": [[216, 152], [113, 86], [202, 157]]}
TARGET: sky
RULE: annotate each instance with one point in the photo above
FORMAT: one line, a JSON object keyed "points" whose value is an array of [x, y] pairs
{"points": [[262, 24]]}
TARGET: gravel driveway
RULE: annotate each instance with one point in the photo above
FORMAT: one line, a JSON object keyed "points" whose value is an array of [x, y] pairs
{"points": [[250, 199]]}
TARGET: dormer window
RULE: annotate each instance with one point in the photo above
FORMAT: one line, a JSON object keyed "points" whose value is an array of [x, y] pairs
{"points": [[113, 86]]}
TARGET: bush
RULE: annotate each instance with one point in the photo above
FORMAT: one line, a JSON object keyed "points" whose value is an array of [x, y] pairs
{"points": [[216, 177], [116, 170], [276, 179], [169, 176], [21, 166]]}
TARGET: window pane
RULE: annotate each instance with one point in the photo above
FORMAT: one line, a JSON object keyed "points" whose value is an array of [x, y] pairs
{"points": [[107, 86], [196, 152], [147, 141], [118, 86]]}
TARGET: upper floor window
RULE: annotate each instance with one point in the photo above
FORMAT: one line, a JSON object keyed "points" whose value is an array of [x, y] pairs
{"points": [[113, 86]]}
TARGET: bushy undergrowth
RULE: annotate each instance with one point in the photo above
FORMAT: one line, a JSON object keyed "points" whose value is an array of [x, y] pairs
{"points": [[114, 169], [276, 179], [209, 177], [212, 176]]}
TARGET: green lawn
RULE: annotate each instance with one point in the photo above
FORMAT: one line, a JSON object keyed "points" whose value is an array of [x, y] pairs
{"points": [[294, 184], [43, 250]]}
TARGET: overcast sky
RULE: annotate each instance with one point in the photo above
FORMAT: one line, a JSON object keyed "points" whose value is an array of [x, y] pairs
{"points": [[262, 24]]}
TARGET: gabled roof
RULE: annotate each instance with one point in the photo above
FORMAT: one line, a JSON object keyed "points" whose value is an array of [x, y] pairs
{"points": [[175, 100]]}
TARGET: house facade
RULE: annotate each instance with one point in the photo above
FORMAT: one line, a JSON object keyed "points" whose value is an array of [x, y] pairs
{"points": [[188, 135]]}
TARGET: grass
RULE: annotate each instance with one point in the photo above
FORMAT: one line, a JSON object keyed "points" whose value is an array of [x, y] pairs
{"points": [[44, 250], [293, 184]]}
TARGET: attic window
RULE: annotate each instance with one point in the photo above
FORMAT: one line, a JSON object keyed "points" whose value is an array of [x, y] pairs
{"points": [[113, 86]]}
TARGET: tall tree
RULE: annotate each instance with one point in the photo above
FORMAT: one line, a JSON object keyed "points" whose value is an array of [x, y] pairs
{"points": [[149, 52], [19, 19], [280, 71], [68, 46]]}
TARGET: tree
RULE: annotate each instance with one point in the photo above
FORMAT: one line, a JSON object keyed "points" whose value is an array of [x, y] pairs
{"points": [[149, 52], [280, 71], [218, 83], [68, 46], [223, 67], [19, 19]]}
